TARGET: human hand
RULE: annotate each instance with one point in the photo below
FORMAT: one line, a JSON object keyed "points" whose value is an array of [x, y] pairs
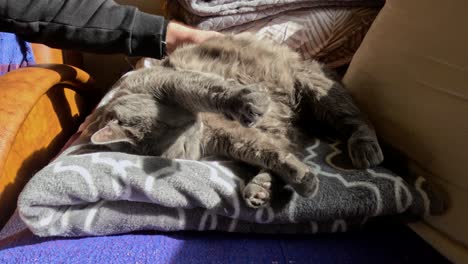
{"points": [[178, 34]]}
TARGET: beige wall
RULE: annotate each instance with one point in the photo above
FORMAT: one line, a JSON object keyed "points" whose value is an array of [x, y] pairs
{"points": [[410, 75], [108, 68]]}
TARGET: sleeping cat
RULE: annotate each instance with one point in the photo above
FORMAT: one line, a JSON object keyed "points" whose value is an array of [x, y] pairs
{"points": [[238, 97]]}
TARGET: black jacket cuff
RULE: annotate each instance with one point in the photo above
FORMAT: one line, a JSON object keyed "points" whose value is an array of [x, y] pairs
{"points": [[148, 36]]}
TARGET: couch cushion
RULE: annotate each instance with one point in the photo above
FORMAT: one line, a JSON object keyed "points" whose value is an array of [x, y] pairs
{"points": [[410, 75], [382, 243]]}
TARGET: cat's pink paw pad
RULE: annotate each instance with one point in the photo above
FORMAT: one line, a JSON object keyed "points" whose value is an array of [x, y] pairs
{"points": [[257, 196]]}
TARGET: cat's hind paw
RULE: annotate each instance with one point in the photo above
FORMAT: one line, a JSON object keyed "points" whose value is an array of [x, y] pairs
{"points": [[365, 152], [308, 186], [257, 195]]}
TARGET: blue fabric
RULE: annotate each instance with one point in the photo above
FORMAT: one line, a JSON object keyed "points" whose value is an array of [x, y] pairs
{"points": [[383, 243], [14, 53]]}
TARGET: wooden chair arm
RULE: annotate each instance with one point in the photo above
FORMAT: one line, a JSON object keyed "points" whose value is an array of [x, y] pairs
{"points": [[40, 108]]}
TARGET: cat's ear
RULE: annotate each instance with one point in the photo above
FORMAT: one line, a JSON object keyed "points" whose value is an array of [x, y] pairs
{"points": [[111, 133]]}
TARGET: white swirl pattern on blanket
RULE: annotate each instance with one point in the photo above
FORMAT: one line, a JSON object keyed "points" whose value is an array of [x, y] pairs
{"points": [[192, 195]]}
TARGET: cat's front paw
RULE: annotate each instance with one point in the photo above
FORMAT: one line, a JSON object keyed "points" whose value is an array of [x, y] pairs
{"points": [[257, 195], [365, 152], [250, 105]]}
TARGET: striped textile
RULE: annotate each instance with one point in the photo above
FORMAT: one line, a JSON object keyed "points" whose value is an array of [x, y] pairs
{"points": [[330, 35], [223, 14]]}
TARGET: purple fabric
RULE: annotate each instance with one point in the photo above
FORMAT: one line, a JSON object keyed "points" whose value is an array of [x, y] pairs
{"points": [[383, 243], [14, 53]]}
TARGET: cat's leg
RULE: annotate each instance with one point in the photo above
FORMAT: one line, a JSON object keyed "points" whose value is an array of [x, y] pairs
{"points": [[331, 103], [255, 148], [244, 103], [202, 92], [258, 191]]}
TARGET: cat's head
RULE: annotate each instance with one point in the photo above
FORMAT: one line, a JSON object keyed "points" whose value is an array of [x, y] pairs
{"points": [[140, 122]]}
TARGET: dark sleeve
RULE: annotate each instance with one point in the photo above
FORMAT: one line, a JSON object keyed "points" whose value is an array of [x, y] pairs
{"points": [[99, 26]]}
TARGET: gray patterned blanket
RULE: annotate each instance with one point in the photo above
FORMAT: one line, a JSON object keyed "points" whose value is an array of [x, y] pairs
{"points": [[222, 14], [106, 193]]}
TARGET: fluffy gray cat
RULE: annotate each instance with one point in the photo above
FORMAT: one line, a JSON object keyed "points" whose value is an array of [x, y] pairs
{"points": [[238, 97]]}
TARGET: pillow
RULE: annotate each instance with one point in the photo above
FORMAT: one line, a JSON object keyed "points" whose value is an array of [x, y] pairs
{"points": [[330, 35]]}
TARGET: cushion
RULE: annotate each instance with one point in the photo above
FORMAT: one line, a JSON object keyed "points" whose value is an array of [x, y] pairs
{"points": [[328, 31], [330, 35], [223, 14], [383, 243]]}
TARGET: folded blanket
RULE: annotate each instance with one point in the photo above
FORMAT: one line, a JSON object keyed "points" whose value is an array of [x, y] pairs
{"points": [[222, 14], [330, 35], [14, 53], [106, 193]]}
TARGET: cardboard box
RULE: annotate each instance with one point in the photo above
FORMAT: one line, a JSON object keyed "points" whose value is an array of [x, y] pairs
{"points": [[411, 76]]}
